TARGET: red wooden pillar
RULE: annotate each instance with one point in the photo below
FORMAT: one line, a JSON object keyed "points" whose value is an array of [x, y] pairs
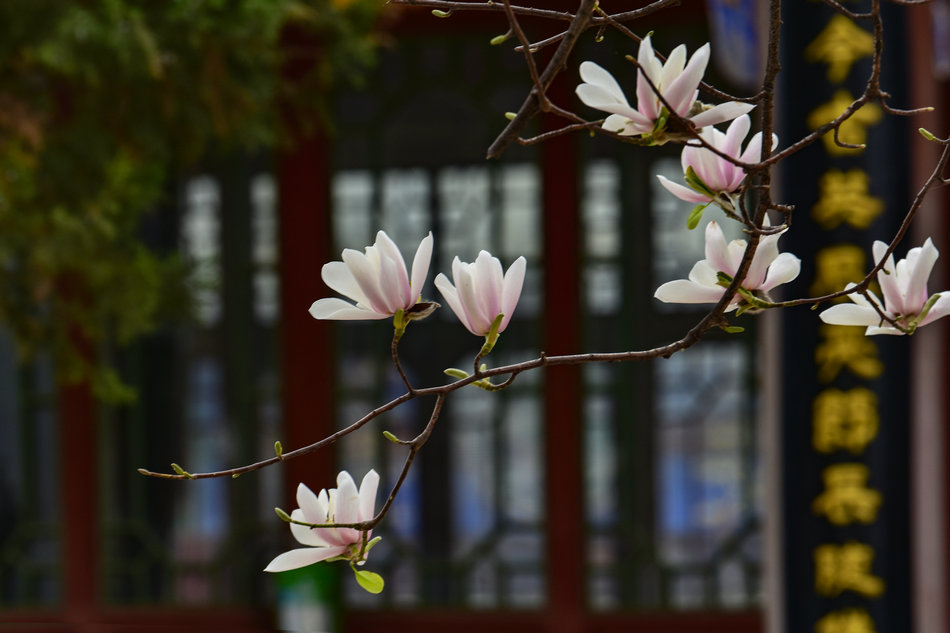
{"points": [[79, 523], [562, 391], [303, 176]]}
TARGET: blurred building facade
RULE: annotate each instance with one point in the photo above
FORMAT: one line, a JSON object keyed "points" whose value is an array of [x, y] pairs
{"points": [[639, 496]]}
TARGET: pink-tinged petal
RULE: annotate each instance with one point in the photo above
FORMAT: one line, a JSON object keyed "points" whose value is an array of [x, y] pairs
{"points": [[393, 286], [420, 266], [721, 113], [753, 151], [450, 294], [306, 535], [673, 67], [765, 254], [784, 269], [850, 314], [703, 274], [682, 91], [631, 127], [916, 295], [511, 289], [366, 272], [885, 329], [347, 499], [735, 134], [599, 99], [339, 310], [489, 277], [596, 76], [313, 511], [717, 251], [467, 288], [710, 169], [339, 278], [395, 278], [681, 192], [296, 558], [939, 309], [649, 68], [684, 291], [367, 501], [890, 286]]}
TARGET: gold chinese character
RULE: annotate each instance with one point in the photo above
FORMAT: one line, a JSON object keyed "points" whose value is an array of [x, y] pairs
{"points": [[846, 567], [846, 346], [839, 45], [853, 130], [847, 498], [835, 266], [844, 420], [846, 621], [844, 197]]}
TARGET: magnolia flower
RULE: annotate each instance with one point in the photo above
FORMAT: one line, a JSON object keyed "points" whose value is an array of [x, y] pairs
{"points": [[342, 504], [906, 301], [678, 84], [481, 293], [713, 177], [376, 281], [768, 270]]}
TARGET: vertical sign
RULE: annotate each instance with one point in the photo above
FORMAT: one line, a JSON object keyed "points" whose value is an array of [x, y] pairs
{"points": [[845, 395]]}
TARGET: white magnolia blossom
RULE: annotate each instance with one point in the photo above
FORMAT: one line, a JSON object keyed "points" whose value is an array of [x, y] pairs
{"points": [[376, 281], [481, 292], [906, 300], [343, 504], [676, 80], [768, 269], [718, 176]]}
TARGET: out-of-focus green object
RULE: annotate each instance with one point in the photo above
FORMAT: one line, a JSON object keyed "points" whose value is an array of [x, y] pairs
{"points": [[102, 100], [308, 599]]}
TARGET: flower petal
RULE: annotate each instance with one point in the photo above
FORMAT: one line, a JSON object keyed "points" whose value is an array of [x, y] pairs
{"points": [[595, 75], [340, 310], [302, 557], [511, 289], [339, 278], [916, 293], [450, 294], [420, 267], [685, 291], [784, 269], [681, 192], [720, 113], [367, 496], [681, 93], [366, 272], [850, 314], [717, 251], [307, 535]]}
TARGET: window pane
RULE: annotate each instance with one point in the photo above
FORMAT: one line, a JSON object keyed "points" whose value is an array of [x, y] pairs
{"points": [[30, 522], [670, 453]]}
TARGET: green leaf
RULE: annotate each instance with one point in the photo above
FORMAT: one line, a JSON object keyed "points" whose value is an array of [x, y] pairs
{"points": [[695, 216], [370, 581], [732, 329], [927, 134]]}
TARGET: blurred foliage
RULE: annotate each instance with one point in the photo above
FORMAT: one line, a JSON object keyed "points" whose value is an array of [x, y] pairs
{"points": [[100, 102]]}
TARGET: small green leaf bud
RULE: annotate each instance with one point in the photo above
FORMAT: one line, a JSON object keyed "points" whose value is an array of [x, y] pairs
{"points": [[441, 14], [283, 515]]}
